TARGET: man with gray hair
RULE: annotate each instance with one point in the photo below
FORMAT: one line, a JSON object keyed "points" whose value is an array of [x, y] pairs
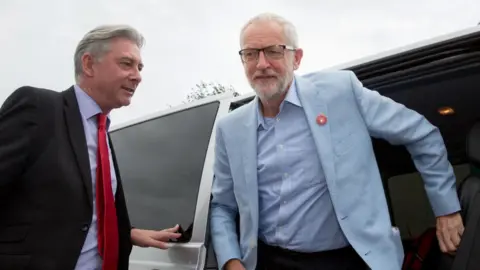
{"points": [[61, 197], [296, 165]]}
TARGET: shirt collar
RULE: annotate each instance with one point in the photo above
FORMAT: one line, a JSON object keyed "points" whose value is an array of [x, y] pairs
{"points": [[88, 107], [291, 97]]}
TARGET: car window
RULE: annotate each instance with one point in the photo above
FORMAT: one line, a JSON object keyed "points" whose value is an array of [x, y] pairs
{"points": [[161, 163], [411, 208]]}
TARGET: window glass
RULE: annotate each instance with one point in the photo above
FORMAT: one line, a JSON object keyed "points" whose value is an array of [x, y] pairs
{"points": [[161, 163]]}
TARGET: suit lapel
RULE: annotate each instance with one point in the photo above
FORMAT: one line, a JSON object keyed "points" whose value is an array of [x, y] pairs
{"points": [[249, 157], [120, 202], [119, 194], [76, 133], [314, 102]]}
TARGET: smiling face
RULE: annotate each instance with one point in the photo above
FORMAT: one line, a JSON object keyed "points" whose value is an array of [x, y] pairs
{"points": [[271, 71], [115, 75]]}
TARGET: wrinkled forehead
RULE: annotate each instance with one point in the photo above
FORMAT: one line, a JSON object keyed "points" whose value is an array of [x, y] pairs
{"points": [[261, 34]]}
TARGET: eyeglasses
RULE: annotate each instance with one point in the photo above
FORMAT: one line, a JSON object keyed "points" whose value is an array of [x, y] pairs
{"points": [[274, 52]]}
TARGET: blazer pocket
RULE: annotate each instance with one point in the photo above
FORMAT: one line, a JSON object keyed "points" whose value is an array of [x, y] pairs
{"points": [[13, 233], [14, 262]]}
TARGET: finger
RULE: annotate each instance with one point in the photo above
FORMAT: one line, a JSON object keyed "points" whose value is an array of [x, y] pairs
{"points": [[455, 236], [461, 230], [170, 235], [173, 229], [448, 242], [157, 244], [174, 235], [164, 235], [441, 242]]}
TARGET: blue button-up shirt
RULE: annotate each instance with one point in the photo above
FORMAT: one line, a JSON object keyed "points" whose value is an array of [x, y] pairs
{"points": [[89, 256], [296, 211]]}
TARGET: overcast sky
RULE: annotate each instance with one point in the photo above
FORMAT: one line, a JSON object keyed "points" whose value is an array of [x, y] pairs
{"points": [[189, 41]]}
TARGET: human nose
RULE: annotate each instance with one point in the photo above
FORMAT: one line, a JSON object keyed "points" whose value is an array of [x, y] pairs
{"points": [[262, 62], [136, 76]]}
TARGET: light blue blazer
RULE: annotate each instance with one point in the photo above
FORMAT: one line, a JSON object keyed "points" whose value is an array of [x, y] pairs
{"points": [[344, 146]]}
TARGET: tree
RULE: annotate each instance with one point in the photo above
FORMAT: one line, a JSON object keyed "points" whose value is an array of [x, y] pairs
{"points": [[204, 89]]}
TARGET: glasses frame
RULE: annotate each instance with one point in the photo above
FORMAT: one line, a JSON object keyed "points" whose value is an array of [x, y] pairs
{"points": [[258, 50]]}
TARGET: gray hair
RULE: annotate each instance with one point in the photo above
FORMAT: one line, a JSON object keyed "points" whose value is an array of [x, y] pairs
{"points": [[289, 29], [97, 41]]}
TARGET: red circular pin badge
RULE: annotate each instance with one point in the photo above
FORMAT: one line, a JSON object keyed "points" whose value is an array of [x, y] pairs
{"points": [[321, 119]]}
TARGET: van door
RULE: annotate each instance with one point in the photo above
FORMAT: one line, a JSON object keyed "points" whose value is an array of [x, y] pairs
{"points": [[166, 164]]}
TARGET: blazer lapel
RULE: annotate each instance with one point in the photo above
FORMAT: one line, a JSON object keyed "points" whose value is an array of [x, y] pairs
{"points": [[119, 194], [313, 100], [249, 157], [76, 133], [120, 201]]}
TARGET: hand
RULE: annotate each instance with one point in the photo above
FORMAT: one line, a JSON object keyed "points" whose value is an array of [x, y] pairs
{"points": [[449, 232], [234, 264], [150, 238]]}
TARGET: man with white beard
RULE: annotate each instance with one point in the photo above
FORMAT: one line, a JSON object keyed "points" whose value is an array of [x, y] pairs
{"points": [[297, 166]]}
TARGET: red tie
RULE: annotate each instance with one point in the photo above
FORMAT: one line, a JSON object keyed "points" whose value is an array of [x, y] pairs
{"points": [[106, 213]]}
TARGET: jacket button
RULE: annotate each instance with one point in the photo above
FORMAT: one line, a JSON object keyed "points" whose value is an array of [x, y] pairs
{"points": [[85, 228]]}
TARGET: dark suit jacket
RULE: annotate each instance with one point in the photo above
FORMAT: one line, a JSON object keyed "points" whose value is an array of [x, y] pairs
{"points": [[45, 183]]}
